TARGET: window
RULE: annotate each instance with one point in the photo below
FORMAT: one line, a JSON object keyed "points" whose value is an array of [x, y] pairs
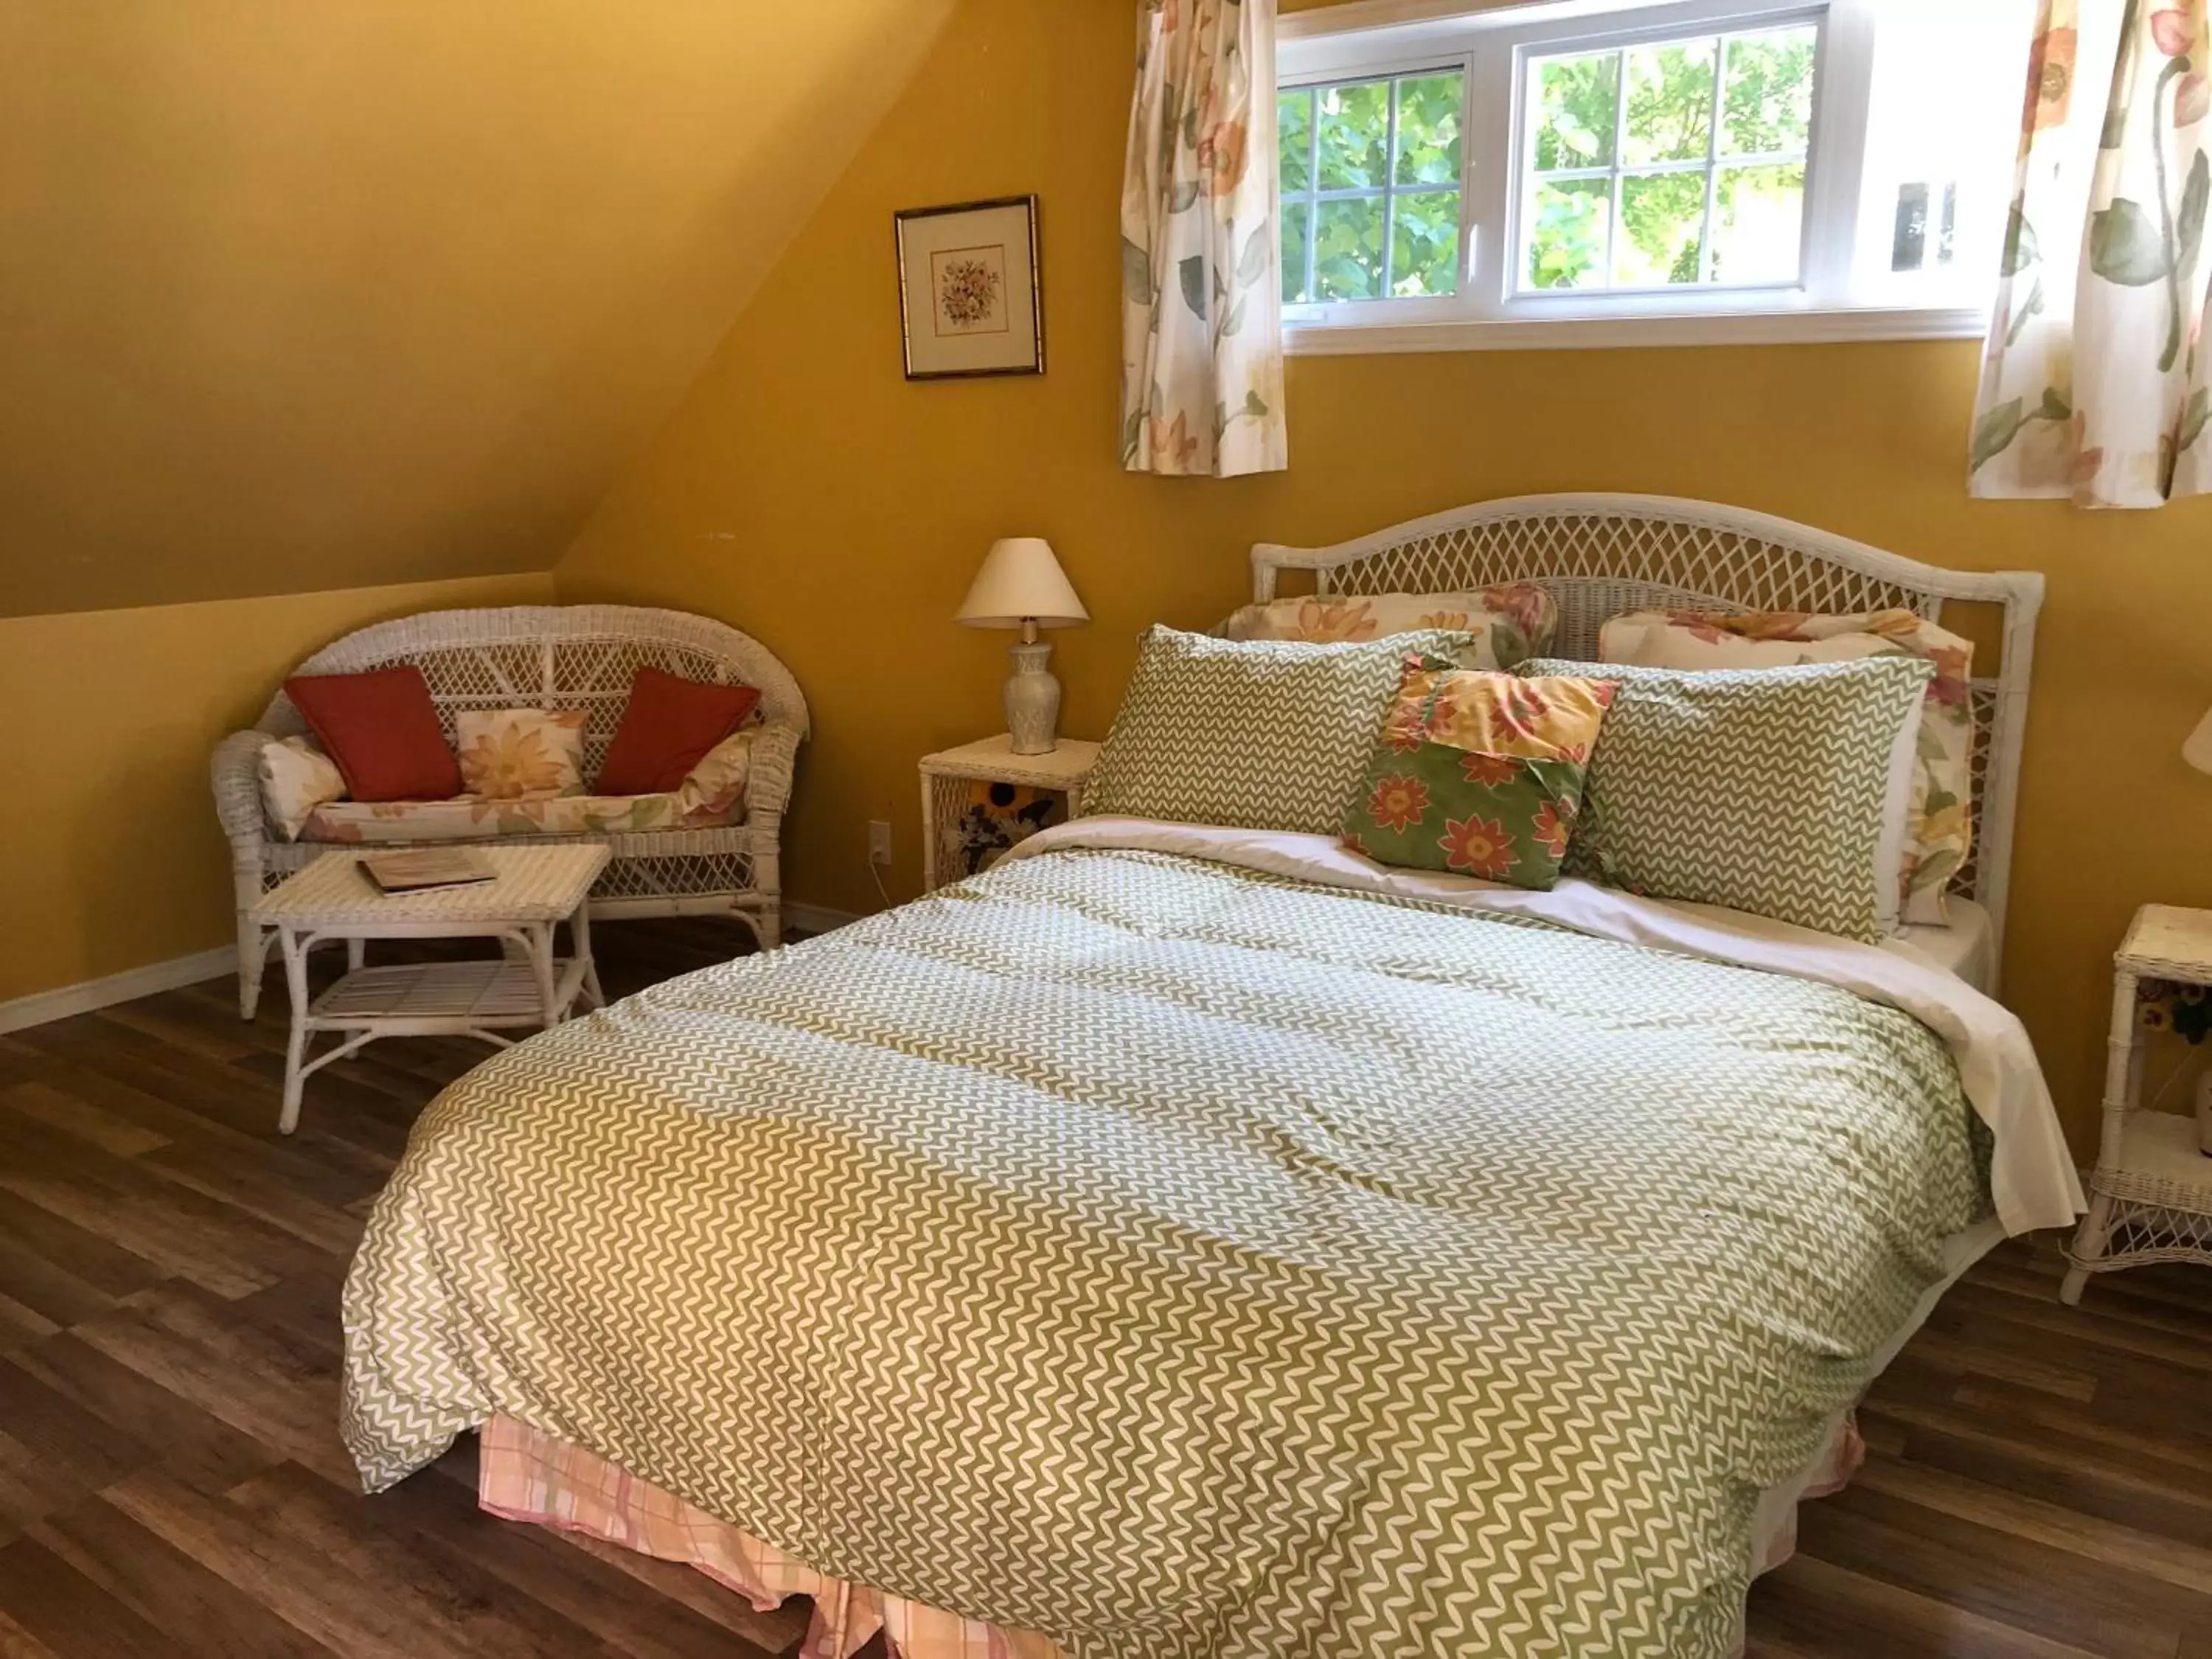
{"points": [[1668, 163], [1370, 187], [1698, 169]]}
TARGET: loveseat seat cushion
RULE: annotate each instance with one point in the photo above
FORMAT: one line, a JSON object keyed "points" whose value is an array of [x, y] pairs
{"points": [[470, 819]]}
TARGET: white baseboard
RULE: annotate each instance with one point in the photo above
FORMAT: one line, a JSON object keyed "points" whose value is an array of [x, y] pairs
{"points": [[63, 1000], [816, 918]]}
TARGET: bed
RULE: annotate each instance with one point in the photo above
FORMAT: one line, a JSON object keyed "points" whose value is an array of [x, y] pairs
{"points": [[1111, 1256]]}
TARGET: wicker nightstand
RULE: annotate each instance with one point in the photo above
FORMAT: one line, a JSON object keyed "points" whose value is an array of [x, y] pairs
{"points": [[1044, 789], [2150, 1197]]}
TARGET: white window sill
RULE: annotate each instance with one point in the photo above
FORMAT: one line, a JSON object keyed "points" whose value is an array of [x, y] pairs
{"points": [[1317, 339]]}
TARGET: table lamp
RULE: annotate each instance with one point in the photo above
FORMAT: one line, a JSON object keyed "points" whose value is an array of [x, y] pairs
{"points": [[1022, 585], [2197, 751]]}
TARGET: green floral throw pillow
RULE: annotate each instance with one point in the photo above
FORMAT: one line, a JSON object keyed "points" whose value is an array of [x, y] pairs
{"points": [[1478, 774]]}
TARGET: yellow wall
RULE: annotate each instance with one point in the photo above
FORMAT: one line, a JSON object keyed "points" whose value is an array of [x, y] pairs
{"points": [[805, 491], [295, 296], [111, 857]]}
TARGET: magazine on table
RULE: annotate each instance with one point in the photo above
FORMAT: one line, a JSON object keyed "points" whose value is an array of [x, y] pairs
{"points": [[428, 867]]}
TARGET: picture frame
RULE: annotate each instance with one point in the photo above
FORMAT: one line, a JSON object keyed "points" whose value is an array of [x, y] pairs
{"points": [[971, 297]]}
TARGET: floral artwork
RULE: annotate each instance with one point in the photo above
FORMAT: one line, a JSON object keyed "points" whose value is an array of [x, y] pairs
{"points": [[2093, 380], [1478, 774], [1201, 256], [969, 292], [2163, 1005], [997, 816], [970, 283]]}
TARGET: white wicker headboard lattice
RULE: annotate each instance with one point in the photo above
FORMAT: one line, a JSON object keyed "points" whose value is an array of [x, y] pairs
{"points": [[1601, 554]]}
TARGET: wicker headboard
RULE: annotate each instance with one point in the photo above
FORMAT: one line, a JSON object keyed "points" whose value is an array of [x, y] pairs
{"points": [[1603, 554]]}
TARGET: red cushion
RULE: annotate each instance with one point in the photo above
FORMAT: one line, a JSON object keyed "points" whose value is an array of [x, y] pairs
{"points": [[381, 731], [667, 728]]}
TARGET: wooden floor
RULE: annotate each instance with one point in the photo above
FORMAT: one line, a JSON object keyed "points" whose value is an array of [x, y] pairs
{"points": [[2039, 1482]]}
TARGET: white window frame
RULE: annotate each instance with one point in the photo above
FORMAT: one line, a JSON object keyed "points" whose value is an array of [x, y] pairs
{"points": [[1377, 38]]}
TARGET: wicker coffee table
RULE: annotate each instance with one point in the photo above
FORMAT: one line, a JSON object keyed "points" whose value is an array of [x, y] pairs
{"points": [[536, 888]]}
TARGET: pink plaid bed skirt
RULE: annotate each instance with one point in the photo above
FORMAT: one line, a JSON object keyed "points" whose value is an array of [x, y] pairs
{"points": [[525, 1475]]}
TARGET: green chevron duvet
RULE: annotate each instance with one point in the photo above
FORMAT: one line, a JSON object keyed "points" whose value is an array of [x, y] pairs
{"points": [[1189, 1263]]}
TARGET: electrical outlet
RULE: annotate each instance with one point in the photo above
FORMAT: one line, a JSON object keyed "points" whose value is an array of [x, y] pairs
{"points": [[879, 841]]}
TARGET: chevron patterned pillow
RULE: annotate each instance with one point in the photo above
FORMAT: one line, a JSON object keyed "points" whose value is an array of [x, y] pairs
{"points": [[1252, 734], [1766, 789]]}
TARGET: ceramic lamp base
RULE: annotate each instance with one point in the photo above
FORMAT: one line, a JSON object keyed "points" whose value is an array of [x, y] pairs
{"points": [[1032, 699]]}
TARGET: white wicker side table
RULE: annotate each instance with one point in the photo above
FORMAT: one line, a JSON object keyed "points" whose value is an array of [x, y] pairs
{"points": [[2150, 1197], [948, 786], [536, 889]]}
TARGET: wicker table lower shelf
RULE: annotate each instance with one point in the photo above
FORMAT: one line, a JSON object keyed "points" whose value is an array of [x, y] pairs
{"points": [[434, 998], [534, 890], [443, 999]]}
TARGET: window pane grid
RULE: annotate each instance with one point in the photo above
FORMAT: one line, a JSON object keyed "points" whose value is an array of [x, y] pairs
{"points": [[1390, 196], [1370, 264], [1561, 217], [1712, 154], [1642, 170], [1617, 196]]}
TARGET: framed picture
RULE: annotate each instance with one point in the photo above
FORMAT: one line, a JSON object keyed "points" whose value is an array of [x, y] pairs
{"points": [[969, 299]]}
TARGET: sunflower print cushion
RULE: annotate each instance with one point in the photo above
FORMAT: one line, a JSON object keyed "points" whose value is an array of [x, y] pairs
{"points": [[521, 754], [1478, 774]]}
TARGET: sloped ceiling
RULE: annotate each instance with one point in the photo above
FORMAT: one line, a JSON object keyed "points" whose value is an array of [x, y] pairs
{"points": [[297, 295]]}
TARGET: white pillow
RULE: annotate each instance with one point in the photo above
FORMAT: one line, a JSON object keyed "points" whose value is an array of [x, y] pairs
{"points": [[296, 777]]}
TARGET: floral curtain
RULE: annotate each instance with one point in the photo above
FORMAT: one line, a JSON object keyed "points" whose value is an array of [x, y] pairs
{"points": [[2093, 382], [1201, 256]]}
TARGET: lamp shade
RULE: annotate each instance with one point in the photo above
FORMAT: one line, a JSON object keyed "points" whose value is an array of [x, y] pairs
{"points": [[1021, 582], [2197, 751]]}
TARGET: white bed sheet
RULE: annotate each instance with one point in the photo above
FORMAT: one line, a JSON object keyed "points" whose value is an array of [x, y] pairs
{"points": [[1962, 948]]}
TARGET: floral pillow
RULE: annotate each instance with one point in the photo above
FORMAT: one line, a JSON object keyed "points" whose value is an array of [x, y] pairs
{"points": [[1939, 823], [296, 778], [1509, 622], [711, 790], [1477, 772], [521, 754]]}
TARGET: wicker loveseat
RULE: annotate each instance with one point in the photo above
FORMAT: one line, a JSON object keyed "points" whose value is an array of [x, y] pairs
{"points": [[558, 657]]}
